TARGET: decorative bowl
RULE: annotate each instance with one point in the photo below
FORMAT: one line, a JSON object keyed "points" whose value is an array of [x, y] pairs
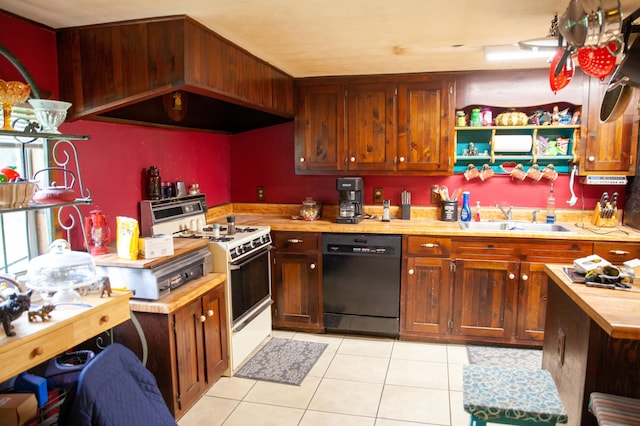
{"points": [[49, 113], [16, 194], [12, 93]]}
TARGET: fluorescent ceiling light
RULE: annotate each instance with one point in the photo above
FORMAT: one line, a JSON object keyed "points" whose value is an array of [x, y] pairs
{"points": [[511, 52]]}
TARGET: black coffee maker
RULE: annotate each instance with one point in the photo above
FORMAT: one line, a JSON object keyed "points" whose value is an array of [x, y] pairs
{"points": [[351, 192]]}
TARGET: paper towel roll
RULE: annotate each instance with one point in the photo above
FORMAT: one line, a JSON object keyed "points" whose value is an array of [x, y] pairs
{"points": [[512, 143]]}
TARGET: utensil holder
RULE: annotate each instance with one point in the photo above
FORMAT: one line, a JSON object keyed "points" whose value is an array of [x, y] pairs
{"points": [[449, 211], [406, 211]]}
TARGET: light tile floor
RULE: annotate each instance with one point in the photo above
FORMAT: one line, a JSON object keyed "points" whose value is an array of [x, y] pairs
{"points": [[357, 381]]}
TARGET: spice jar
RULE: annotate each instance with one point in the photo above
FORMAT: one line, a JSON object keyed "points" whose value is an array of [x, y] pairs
{"points": [[461, 120], [476, 118], [154, 188]]}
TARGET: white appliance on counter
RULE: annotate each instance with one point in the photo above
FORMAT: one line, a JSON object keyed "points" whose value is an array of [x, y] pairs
{"points": [[243, 256]]}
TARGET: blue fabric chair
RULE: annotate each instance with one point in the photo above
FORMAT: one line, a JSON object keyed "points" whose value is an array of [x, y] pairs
{"points": [[115, 389]]}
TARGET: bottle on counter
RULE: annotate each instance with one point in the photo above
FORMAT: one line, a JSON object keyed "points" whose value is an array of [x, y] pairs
{"points": [[465, 211], [477, 215], [551, 207], [154, 184]]}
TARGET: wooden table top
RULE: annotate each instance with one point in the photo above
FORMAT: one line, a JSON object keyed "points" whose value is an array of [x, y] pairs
{"points": [[617, 312]]}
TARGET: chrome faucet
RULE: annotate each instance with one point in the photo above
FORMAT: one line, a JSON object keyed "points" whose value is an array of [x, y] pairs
{"points": [[534, 218], [507, 214]]}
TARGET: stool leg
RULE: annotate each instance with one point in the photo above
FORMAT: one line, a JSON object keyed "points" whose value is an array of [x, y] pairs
{"points": [[477, 422]]}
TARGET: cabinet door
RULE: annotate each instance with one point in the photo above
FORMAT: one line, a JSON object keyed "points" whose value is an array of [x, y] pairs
{"points": [[215, 332], [190, 354], [532, 301], [612, 147], [371, 126], [425, 296], [296, 290], [320, 143], [425, 120], [485, 298]]}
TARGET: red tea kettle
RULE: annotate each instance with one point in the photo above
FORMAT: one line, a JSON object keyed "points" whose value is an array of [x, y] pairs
{"points": [[96, 229]]}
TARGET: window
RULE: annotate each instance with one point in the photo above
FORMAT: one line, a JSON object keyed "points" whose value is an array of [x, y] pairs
{"points": [[20, 231]]}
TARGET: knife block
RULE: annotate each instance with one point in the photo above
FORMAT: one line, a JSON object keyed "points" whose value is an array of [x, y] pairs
{"points": [[598, 220]]}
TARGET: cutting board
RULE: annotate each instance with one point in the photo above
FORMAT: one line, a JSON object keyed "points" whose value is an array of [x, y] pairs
{"points": [[180, 246]]}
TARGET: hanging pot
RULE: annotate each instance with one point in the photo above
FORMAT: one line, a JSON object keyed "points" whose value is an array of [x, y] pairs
{"points": [[628, 72], [573, 24], [610, 25], [615, 102]]}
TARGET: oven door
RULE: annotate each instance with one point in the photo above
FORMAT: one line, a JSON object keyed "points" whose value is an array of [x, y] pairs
{"points": [[250, 284]]}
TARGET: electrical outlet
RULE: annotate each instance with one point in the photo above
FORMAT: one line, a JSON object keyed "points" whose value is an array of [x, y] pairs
{"points": [[260, 194], [378, 195]]}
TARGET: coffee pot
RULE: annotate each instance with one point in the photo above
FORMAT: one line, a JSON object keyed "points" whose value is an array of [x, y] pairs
{"points": [[351, 196]]}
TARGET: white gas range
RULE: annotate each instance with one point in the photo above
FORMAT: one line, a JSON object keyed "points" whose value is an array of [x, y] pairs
{"points": [[243, 256]]}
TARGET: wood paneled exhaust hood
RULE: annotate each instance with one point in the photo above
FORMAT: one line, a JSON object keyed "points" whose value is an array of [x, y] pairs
{"points": [[169, 72]]}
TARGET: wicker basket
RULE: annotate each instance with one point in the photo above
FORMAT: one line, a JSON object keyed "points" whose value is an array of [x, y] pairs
{"points": [[16, 194]]}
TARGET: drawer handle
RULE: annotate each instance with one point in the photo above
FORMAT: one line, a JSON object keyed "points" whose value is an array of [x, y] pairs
{"points": [[104, 318], [312, 266], [411, 272], [295, 241], [525, 277], [511, 276], [429, 245], [210, 313], [619, 252], [37, 351]]}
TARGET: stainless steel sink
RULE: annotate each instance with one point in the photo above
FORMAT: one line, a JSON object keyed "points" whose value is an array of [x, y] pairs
{"points": [[513, 225]]}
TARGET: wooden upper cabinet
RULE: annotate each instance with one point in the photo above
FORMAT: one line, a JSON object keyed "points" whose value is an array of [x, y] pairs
{"points": [[320, 129], [425, 123], [371, 126], [609, 148]]}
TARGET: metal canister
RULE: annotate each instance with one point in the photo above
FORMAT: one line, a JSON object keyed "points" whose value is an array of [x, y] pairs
{"points": [[476, 118], [461, 120]]}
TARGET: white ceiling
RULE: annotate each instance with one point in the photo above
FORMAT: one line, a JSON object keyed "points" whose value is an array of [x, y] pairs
{"points": [[338, 37]]}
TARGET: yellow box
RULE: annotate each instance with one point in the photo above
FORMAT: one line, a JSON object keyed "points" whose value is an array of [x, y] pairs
{"points": [[156, 246], [17, 408]]}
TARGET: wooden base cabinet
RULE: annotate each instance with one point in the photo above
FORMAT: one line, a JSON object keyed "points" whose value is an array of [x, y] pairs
{"points": [[482, 290], [296, 284], [425, 291], [187, 348]]}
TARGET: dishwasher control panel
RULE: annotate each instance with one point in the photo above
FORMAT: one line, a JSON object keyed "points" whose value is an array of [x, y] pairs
{"points": [[348, 248]]}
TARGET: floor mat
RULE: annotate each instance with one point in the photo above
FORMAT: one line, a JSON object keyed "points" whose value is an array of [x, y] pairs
{"points": [[282, 361], [512, 357]]}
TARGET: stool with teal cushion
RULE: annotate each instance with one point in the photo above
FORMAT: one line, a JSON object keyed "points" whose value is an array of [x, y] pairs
{"points": [[509, 395]]}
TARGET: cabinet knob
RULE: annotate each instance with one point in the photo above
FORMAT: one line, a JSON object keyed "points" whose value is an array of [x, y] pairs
{"points": [[312, 266], [352, 159], [525, 277], [203, 318], [210, 313], [411, 272], [592, 158], [429, 245], [301, 159], [511, 276], [619, 252], [401, 159]]}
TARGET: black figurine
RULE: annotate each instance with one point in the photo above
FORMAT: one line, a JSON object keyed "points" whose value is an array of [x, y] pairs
{"points": [[12, 308]]}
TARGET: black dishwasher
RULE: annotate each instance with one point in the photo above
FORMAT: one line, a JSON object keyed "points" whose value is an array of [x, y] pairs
{"points": [[361, 283]]}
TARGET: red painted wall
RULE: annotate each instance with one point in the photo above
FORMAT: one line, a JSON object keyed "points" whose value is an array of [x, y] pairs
{"points": [[266, 157], [114, 161]]}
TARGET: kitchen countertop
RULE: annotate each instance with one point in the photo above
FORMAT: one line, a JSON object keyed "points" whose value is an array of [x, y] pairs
{"points": [[615, 311], [425, 223]]}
